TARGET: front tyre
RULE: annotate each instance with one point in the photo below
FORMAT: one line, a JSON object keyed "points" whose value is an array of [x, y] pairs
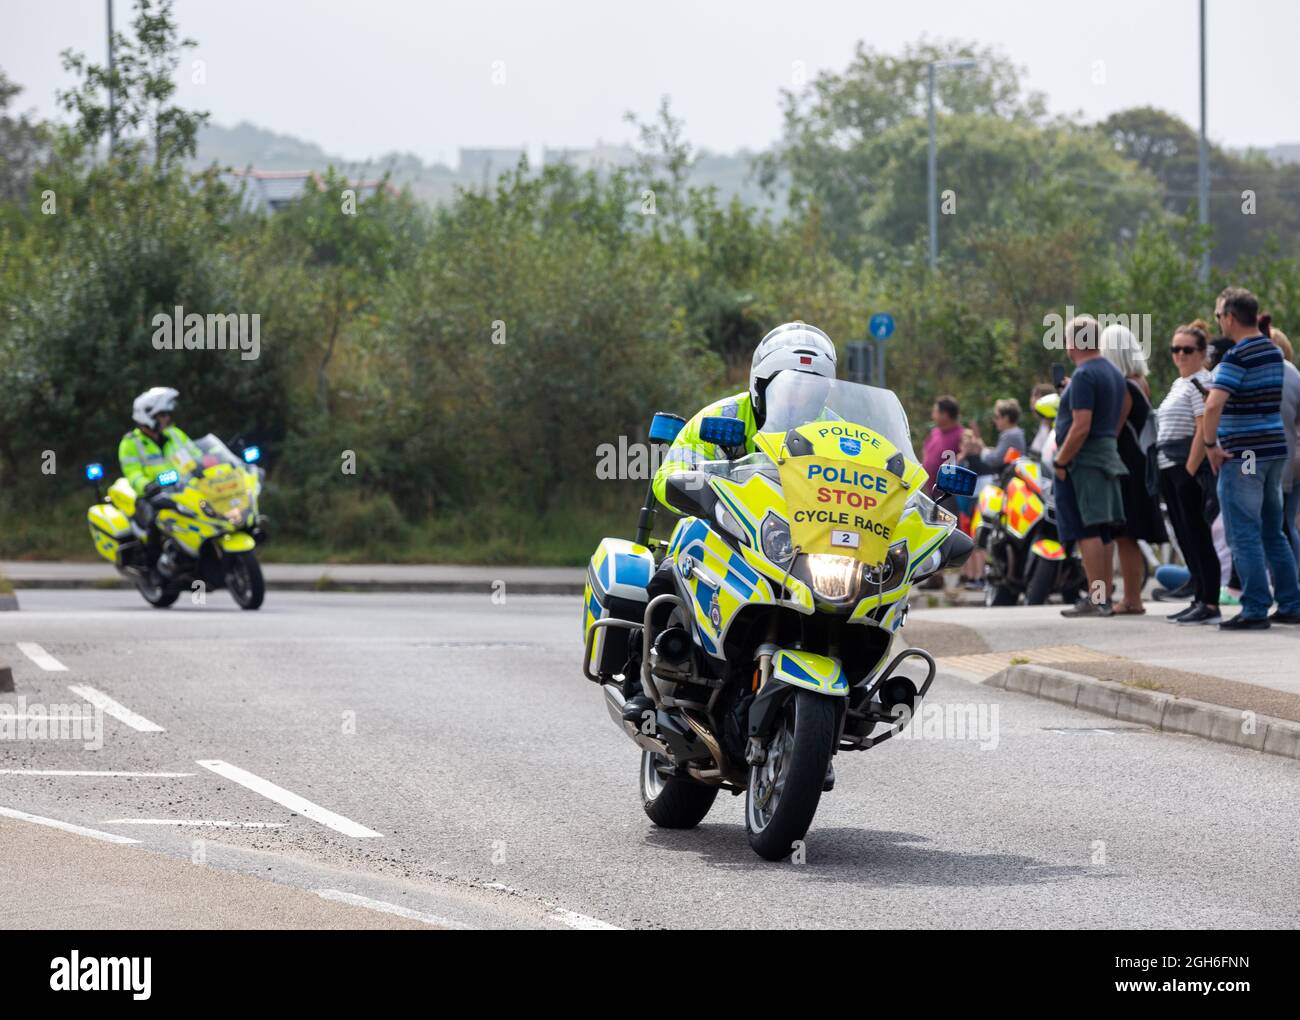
{"points": [[1000, 595], [244, 579], [672, 803], [1042, 581], [785, 789]]}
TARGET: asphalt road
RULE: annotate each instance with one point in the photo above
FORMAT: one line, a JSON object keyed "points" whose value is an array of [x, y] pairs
{"points": [[459, 767]]}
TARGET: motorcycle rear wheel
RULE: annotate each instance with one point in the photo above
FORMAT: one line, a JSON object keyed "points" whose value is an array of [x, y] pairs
{"points": [[244, 579], [672, 803], [157, 592], [784, 790]]}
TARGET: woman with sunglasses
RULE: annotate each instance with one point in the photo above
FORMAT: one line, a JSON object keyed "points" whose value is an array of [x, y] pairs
{"points": [[1181, 458]]}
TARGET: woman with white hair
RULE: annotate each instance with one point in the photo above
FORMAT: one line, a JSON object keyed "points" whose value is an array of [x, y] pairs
{"points": [[1142, 518]]}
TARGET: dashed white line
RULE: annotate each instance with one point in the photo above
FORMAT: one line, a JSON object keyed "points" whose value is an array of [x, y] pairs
{"points": [[80, 830], [118, 711], [388, 908], [197, 822], [286, 798], [87, 772], [581, 921], [41, 657]]}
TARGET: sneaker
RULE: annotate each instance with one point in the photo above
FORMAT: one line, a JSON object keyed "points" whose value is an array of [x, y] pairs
{"points": [[1184, 591], [1281, 617], [1227, 597], [1176, 617], [1242, 622], [1201, 614], [1085, 607]]}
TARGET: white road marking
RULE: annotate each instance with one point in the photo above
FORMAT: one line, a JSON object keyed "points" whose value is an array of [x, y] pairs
{"points": [[80, 830], [581, 921], [286, 798], [388, 908], [209, 822], [76, 772], [569, 917], [118, 711], [41, 657]]}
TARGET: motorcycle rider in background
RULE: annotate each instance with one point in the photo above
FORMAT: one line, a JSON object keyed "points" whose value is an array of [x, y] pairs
{"points": [[146, 451]]}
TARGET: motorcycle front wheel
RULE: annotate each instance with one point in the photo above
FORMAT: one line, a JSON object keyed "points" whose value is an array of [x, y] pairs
{"points": [[244, 579], [785, 789], [669, 802], [1042, 582]]}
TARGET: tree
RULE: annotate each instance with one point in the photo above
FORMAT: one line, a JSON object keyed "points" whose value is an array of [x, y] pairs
{"points": [[135, 96], [833, 125], [24, 145]]}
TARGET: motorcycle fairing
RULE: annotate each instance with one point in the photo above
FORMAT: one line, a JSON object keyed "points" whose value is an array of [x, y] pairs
{"points": [[1048, 549], [1024, 506], [869, 478], [718, 581], [818, 673]]}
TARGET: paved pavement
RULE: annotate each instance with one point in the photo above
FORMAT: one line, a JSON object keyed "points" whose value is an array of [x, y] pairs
{"points": [[1267, 659], [443, 755]]}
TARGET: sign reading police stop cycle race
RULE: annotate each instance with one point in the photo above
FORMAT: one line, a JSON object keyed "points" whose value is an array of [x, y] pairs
{"points": [[843, 496]]}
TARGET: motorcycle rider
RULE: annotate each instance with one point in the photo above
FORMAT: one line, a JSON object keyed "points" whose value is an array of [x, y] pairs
{"points": [[791, 347], [794, 347], [146, 451]]}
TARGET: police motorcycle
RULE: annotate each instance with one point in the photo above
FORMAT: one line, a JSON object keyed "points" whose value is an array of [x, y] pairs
{"points": [[207, 520], [760, 632]]}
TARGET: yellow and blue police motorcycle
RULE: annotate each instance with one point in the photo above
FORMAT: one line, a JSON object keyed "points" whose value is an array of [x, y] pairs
{"points": [[754, 644], [205, 511]]}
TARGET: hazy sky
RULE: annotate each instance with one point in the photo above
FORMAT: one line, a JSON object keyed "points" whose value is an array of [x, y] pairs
{"points": [[364, 78]]}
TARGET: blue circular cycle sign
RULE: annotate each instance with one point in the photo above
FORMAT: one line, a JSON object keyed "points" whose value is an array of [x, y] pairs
{"points": [[881, 326]]}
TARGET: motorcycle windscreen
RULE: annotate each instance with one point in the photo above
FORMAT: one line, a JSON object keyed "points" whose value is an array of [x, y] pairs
{"points": [[845, 487]]}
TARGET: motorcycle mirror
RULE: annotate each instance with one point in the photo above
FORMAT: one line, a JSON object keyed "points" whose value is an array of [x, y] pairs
{"points": [[664, 427], [955, 480]]}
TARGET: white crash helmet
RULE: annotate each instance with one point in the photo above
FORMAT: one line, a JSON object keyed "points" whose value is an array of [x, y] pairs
{"points": [[153, 402], [792, 347]]}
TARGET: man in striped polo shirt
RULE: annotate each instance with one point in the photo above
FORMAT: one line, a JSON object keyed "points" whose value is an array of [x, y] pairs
{"points": [[1246, 446]]}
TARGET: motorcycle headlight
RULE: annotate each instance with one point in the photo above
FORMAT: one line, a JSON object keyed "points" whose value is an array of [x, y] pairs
{"points": [[834, 578], [777, 546], [890, 573]]}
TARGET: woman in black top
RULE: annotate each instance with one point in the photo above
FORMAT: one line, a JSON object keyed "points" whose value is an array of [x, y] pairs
{"points": [[1143, 520]]}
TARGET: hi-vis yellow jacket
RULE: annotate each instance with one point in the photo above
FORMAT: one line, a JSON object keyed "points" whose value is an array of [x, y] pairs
{"points": [[141, 459], [689, 449]]}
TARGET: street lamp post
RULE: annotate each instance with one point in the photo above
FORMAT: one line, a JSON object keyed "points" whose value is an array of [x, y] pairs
{"points": [[1203, 162], [933, 201], [112, 100]]}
